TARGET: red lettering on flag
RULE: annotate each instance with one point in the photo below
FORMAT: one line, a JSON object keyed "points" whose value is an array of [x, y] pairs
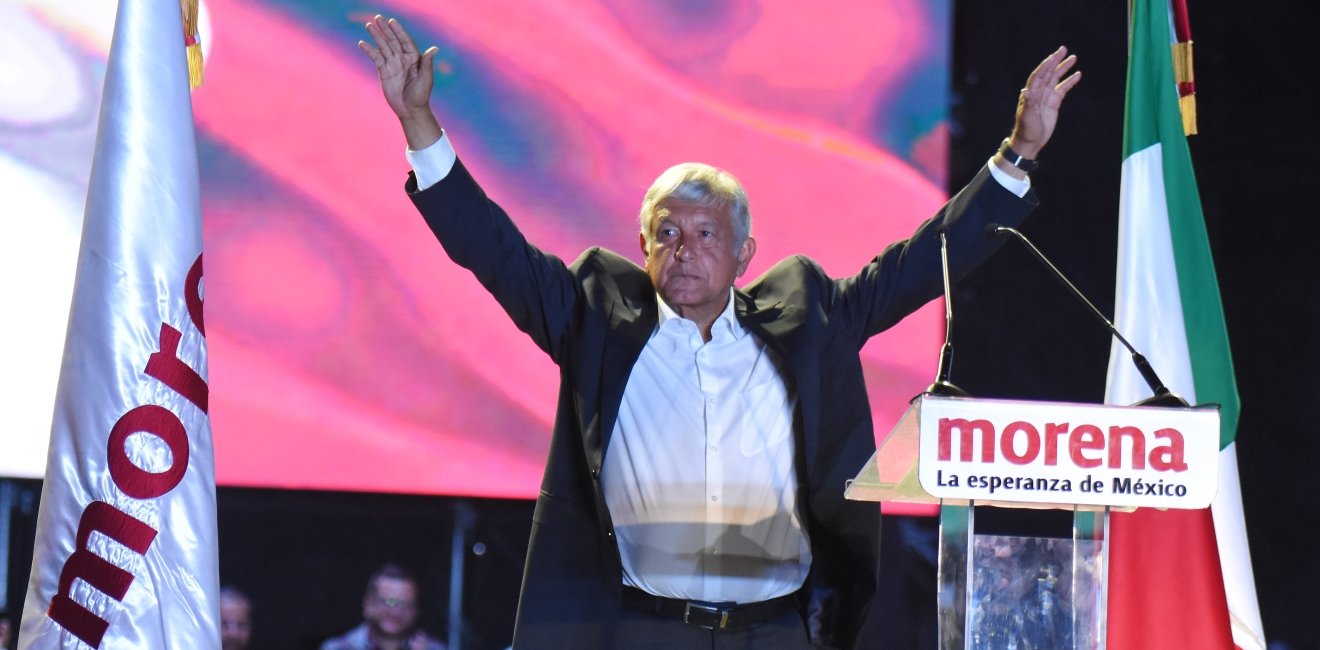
{"points": [[192, 294], [133, 480], [166, 366], [97, 571]]}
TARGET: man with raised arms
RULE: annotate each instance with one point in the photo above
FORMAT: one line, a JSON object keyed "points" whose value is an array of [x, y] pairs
{"points": [[693, 494]]}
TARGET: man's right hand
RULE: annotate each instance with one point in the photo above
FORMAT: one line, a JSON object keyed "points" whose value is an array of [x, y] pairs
{"points": [[406, 79]]}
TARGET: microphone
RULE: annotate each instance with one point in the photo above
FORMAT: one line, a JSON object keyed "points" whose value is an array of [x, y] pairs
{"points": [[942, 386], [1162, 395]]}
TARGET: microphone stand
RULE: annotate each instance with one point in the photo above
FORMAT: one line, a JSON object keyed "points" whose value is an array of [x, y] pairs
{"points": [[1162, 395], [942, 386]]}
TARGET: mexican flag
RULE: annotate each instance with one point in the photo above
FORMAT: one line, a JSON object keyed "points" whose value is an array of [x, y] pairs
{"points": [[1178, 578]]}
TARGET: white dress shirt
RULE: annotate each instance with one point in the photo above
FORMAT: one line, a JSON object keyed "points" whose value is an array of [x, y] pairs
{"points": [[698, 473]]}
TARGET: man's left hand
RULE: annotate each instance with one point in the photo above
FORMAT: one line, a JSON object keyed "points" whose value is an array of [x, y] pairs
{"points": [[1039, 101]]}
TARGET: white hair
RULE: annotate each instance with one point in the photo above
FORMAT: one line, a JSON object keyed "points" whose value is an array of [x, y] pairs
{"points": [[703, 185]]}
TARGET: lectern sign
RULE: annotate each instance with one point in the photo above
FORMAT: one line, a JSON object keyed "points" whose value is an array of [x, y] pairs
{"points": [[1055, 453]]}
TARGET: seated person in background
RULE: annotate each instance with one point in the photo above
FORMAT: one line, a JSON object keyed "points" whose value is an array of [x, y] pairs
{"points": [[389, 613], [235, 619]]}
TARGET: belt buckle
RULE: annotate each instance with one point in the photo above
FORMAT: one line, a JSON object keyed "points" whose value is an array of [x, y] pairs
{"points": [[723, 619]]}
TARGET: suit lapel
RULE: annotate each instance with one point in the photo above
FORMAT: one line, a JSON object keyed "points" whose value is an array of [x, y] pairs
{"points": [[631, 322], [783, 328]]}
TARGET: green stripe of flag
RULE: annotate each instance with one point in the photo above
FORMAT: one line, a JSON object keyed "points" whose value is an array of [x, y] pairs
{"points": [[1151, 84]]}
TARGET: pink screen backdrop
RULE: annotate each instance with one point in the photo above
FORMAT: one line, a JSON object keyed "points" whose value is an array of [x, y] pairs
{"points": [[348, 353]]}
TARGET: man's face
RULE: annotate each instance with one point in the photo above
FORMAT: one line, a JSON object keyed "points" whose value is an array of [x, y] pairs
{"points": [[391, 608], [692, 260], [235, 624]]}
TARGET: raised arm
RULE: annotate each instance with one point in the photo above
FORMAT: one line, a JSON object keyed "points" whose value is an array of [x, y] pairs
{"points": [[907, 274], [536, 289], [406, 79]]}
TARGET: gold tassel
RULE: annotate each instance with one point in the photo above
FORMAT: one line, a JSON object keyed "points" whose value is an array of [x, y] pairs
{"points": [[195, 77], [190, 38], [1182, 72], [1187, 105]]}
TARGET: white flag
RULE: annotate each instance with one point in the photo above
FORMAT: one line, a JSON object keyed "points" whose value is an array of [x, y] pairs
{"points": [[126, 542]]}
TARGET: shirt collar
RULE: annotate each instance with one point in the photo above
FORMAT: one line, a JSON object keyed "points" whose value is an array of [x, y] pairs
{"points": [[726, 321]]}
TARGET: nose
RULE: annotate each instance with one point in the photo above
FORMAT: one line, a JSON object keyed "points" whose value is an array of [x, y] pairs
{"points": [[683, 252]]}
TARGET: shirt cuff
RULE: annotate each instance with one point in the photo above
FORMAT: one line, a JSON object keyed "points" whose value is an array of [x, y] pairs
{"points": [[1018, 187], [432, 164]]}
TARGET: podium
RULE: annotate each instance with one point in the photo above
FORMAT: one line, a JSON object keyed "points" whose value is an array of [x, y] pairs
{"points": [[1024, 592]]}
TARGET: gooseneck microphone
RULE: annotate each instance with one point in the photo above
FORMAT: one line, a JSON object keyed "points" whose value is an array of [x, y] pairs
{"points": [[1162, 395], [942, 386]]}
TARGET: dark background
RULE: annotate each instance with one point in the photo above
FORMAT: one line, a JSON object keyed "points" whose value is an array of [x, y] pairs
{"points": [[304, 556], [1020, 335]]}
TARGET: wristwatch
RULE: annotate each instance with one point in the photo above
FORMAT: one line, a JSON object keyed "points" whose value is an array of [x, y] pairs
{"points": [[1016, 159]]}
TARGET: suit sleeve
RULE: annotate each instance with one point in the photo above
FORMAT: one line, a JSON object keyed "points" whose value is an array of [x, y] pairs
{"points": [[908, 273], [536, 289]]}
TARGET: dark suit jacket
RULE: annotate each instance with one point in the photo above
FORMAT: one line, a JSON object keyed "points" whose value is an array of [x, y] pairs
{"points": [[594, 316]]}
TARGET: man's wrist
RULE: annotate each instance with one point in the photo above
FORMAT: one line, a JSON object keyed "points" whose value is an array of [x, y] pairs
{"points": [[420, 128], [432, 164], [1011, 178], [1027, 150], [1015, 158]]}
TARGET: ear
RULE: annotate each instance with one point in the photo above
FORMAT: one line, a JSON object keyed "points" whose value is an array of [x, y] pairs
{"points": [[641, 242], [745, 254]]}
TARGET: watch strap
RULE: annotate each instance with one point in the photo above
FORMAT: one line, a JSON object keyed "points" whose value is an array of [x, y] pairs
{"points": [[1016, 159]]}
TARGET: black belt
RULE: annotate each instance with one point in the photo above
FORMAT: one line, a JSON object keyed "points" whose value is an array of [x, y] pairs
{"points": [[710, 616]]}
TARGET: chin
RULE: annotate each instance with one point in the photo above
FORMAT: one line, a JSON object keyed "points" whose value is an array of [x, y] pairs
{"points": [[685, 297]]}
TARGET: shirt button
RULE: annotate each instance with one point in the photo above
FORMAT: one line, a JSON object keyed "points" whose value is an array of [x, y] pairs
{"points": [[714, 498]]}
